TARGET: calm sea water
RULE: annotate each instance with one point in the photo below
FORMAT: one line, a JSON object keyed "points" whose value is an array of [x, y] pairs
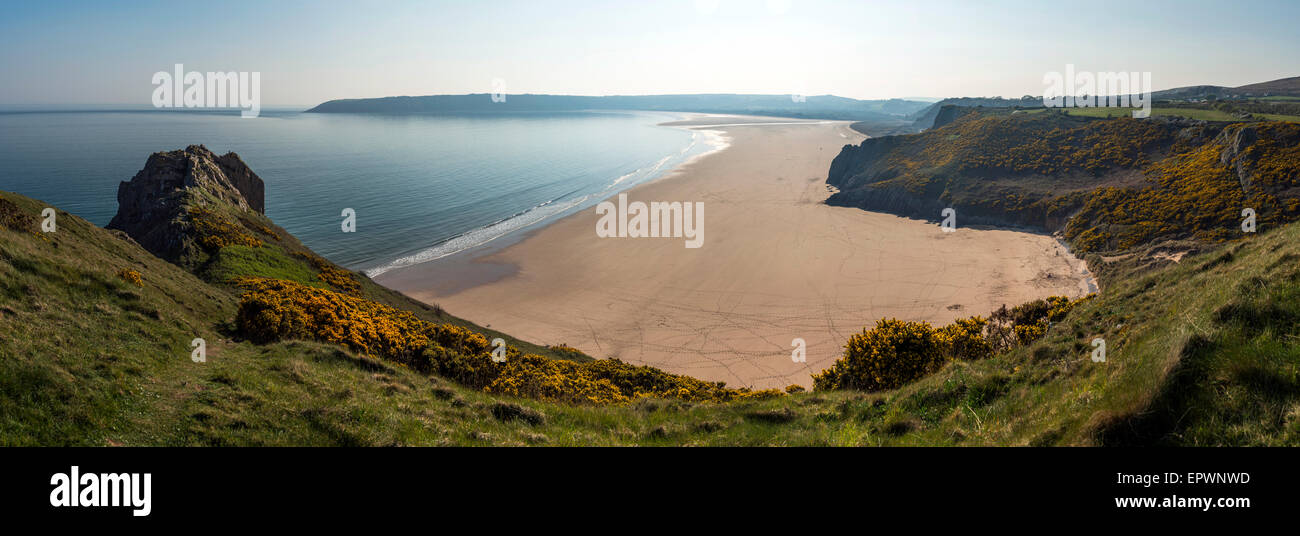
{"points": [[422, 186]]}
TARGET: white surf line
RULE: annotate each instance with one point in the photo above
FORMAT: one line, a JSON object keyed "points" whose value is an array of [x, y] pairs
{"points": [[473, 238]]}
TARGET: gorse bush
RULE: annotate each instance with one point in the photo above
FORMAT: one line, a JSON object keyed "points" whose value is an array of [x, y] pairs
{"points": [[131, 276], [965, 338], [332, 275], [897, 352], [888, 356], [273, 309], [1199, 191], [1030, 147], [214, 231], [607, 381]]}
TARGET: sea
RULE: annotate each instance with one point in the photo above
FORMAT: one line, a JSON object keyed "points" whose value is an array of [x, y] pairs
{"points": [[422, 187]]}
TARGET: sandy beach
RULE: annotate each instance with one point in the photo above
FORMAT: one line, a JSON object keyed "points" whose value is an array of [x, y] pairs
{"points": [[775, 264]]}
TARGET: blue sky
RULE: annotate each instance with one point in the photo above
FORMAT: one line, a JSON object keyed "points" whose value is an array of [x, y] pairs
{"points": [[55, 52]]}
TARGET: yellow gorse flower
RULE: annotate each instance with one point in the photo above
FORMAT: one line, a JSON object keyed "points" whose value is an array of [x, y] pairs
{"points": [[275, 309]]}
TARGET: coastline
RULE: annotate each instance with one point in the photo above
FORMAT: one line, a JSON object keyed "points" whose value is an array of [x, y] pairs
{"points": [[500, 234], [777, 264]]}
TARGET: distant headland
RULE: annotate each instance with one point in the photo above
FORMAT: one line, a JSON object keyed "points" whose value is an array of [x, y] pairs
{"points": [[809, 107]]}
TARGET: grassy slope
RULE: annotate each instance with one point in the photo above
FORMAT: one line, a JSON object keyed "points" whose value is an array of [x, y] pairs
{"points": [[1199, 353], [1202, 352], [279, 257]]}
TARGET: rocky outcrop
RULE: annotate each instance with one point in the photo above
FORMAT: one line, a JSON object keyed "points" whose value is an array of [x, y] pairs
{"points": [[1235, 143], [1244, 147], [152, 205]]}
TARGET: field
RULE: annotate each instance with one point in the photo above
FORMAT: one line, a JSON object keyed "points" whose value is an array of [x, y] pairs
{"points": [[1190, 113]]}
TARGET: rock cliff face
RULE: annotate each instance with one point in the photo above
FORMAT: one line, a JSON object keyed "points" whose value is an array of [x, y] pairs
{"points": [[152, 206], [996, 166], [1243, 151], [1107, 184]]}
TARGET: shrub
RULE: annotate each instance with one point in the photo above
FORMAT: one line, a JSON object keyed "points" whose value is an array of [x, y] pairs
{"points": [[215, 232], [1027, 322], [534, 376], [131, 276], [14, 218], [505, 412], [331, 274], [567, 351], [1197, 191], [273, 309], [965, 338], [897, 352], [888, 356]]}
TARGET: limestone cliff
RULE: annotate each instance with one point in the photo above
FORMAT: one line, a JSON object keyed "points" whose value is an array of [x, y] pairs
{"points": [[153, 205]]}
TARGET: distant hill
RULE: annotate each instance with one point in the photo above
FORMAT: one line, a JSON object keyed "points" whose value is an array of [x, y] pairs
{"points": [[1279, 87], [1283, 86], [810, 107]]}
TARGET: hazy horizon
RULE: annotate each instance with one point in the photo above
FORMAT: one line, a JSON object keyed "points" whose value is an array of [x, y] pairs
{"points": [[81, 53]]}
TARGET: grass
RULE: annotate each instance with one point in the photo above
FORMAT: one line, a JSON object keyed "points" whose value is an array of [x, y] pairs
{"points": [[1279, 117], [282, 256], [1202, 352], [239, 261], [1189, 113]]}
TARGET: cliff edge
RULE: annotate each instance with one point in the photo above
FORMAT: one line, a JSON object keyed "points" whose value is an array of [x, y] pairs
{"points": [[153, 205]]}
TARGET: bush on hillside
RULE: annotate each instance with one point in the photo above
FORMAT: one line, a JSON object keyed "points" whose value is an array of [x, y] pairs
{"points": [[14, 218], [131, 276], [214, 231], [1027, 322], [331, 274], [273, 309], [897, 352], [965, 339], [888, 356]]}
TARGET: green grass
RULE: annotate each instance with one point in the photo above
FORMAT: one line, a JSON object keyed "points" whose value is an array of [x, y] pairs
{"points": [[1279, 117], [237, 261], [1189, 113], [1199, 353]]}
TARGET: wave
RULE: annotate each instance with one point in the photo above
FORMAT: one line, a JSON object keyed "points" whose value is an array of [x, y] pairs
{"points": [[714, 140], [651, 169], [482, 235]]}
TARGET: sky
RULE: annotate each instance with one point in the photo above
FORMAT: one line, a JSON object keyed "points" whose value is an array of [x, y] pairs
{"points": [[72, 52]]}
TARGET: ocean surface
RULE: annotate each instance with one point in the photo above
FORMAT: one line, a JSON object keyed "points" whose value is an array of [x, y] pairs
{"points": [[422, 186]]}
